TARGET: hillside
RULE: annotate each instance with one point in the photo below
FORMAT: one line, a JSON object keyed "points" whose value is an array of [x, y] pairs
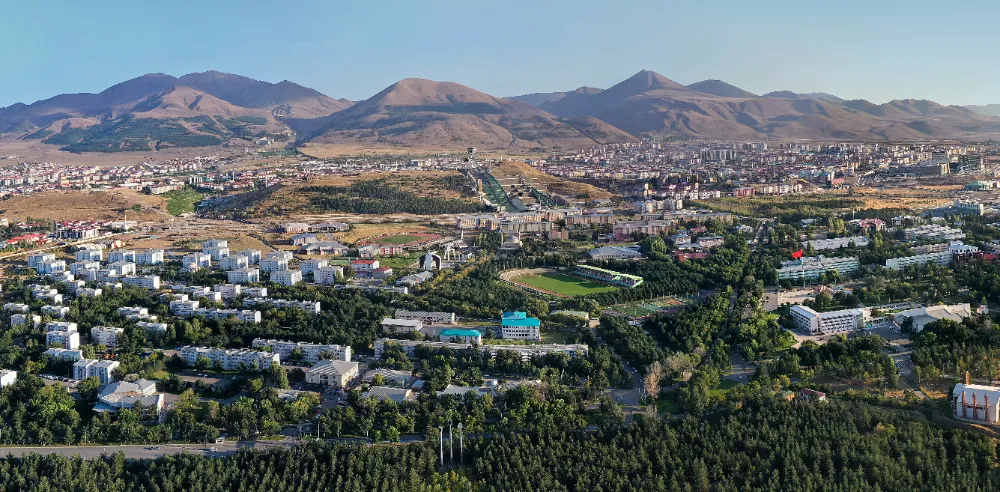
{"points": [[651, 104], [194, 110], [992, 110], [720, 88], [418, 112], [538, 98]]}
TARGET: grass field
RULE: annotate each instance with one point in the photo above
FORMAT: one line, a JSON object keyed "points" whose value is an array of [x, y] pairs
{"points": [[182, 201], [400, 239], [649, 307], [563, 284]]}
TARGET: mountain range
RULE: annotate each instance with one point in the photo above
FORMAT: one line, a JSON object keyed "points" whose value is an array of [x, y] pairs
{"points": [[210, 108]]}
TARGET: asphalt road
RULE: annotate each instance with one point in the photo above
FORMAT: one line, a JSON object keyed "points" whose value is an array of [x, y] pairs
{"points": [[144, 451]]}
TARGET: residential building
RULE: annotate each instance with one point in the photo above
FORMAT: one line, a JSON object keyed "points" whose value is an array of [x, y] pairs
{"points": [[309, 266], [234, 262], [333, 373], [216, 248], [228, 291], [231, 359], [21, 319], [106, 335], [312, 307], [525, 351], [244, 276], [837, 243], [384, 393], [90, 252], [196, 261], [253, 255], [811, 267], [810, 321], [64, 354], [285, 277], [121, 256], [55, 311], [427, 317], [303, 239], [148, 282], [152, 327], [294, 227], [324, 248], [122, 268], [50, 267], [382, 273], [77, 267], [364, 266], [933, 232], [13, 307], [311, 352], [103, 370], [182, 307], [328, 275], [149, 257], [39, 258], [273, 264], [244, 315]]}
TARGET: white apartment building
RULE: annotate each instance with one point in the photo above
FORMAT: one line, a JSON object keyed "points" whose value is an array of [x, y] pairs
{"points": [[77, 267], [196, 261], [255, 291], [182, 307], [270, 264], [87, 274], [812, 267], [90, 368], [148, 282], [228, 291], [808, 320], [234, 262], [23, 320], [332, 373], [520, 333], [90, 254], [149, 257], [130, 311], [121, 256], [280, 255], [244, 276], [13, 307], [310, 266], [311, 352], [89, 292], [152, 327], [837, 243], [525, 351], [427, 317], [216, 248], [207, 294], [328, 275], [67, 340], [244, 315], [55, 311], [253, 255], [122, 268], [107, 335], [307, 306], [933, 232], [941, 258], [285, 277], [50, 267], [36, 259], [64, 354], [232, 359]]}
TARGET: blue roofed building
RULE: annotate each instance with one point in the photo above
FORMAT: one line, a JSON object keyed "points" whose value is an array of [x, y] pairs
{"points": [[517, 325], [461, 335]]}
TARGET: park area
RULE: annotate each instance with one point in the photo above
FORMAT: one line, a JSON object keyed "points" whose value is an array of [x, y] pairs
{"points": [[401, 239], [550, 282]]}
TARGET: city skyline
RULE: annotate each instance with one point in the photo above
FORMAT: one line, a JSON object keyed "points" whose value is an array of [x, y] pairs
{"points": [[858, 51]]}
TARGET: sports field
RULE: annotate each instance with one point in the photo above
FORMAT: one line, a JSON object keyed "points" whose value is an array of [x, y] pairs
{"points": [[565, 285], [401, 239]]}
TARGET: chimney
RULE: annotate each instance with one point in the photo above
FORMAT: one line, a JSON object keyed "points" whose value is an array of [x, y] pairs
{"points": [[968, 378]]}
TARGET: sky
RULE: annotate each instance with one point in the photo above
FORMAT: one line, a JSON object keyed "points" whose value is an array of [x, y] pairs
{"points": [[877, 49]]}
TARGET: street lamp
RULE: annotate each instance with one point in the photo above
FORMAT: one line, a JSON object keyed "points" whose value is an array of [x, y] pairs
{"points": [[451, 443], [461, 446], [441, 441]]}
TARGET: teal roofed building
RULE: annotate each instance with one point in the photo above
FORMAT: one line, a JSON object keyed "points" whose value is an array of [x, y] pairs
{"points": [[461, 336], [517, 325]]}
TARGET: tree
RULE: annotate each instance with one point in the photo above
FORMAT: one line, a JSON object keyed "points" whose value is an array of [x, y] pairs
{"points": [[88, 388], [651, 381], [279, 377], [378, 380]]}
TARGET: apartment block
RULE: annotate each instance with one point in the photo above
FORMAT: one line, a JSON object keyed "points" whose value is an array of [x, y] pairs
{"points": [[106, 335], [285, 277], [103, 370], [311, 352], [231, 359], [244, 276]]}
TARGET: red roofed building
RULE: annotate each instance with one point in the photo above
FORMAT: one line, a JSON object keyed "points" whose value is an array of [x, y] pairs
{"points": [[364, 266]]}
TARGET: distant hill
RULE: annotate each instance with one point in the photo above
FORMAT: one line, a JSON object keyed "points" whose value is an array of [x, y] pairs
{"points": [[197, 109], [720, 88], [992, 110], [538, 98], [426, 113]]}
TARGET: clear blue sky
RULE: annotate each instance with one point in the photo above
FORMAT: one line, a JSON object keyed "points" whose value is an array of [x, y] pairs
{"points": [[876, 49]]}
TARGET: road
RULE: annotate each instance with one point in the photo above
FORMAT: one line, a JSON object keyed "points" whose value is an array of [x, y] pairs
{"points": [[145, 451]]}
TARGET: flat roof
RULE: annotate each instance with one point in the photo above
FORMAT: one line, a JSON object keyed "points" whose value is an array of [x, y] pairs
{"points": [[459, 332]]}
